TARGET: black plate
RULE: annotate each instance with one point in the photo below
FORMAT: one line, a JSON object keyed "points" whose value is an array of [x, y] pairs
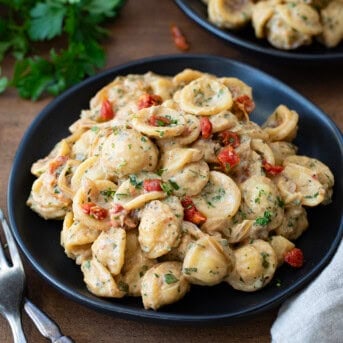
{"points": [[246, 40], [39, 239]]}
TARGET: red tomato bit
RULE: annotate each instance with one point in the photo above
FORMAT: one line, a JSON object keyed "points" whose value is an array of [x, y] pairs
{"points": [[245, 103], [228, 137], [159, 121], [272, 170], [295, 258], [56, 163], [151, 185], [116, 208], [106, 112], [148, 100], [191, 213], [228, 158], [206, 128], [94, 210], [179, 38]]}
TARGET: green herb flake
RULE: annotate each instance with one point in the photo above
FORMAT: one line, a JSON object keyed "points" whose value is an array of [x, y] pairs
{"points": [[134, 182], [167, 188], [189, 271], [313, 196], [123, 286], [265, 262], [265, 220], [174, 185], [170, 278]]}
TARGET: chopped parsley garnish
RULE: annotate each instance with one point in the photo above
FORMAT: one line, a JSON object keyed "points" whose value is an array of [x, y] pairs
{"points": [[174, 185], [265, 220], [123, 286], [134, 182], [280, 202], [311, 196], [265, 262], [188, 271], [170, 278], [108, 194], [167, 188]]}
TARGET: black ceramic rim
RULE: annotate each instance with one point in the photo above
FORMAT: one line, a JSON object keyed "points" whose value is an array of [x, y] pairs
{"points": [[167, 318], [250, 46]]}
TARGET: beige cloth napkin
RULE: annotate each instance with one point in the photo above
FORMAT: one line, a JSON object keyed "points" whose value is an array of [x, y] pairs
{"points": [[315, 315]]}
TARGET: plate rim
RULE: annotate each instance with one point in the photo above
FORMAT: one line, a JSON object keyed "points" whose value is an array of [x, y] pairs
{"points": [[253, 47], [163, 317]]}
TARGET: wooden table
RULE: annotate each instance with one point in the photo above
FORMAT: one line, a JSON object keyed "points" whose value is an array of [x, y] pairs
{"points": [[143, 30]]}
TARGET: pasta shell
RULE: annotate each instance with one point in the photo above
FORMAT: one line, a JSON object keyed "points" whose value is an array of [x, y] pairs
{"points": [[229, 13], [135, 266], [206, 263], [255, 265], [159, 229], [94, 192], [261, 13], [331, 17], [205, 96], [163, 284], [174, 160], [301, 17], [109, 249], [99, 280], [263, 149], [220, 198], [308, 188], [141, 122], [191, 179], [294, 223], [282, 124], [126, 152], [281, 246], [77, 239]]}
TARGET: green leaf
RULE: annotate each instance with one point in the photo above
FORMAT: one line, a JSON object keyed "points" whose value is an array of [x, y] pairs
{"points": [[106, 8], [46, 20], [32, 76], [3, 84]]}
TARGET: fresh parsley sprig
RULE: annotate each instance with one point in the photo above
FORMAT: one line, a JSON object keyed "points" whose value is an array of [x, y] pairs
{"points": [[80, 23]]}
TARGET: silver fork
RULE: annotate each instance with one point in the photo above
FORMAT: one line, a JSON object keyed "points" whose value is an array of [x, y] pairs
{"points": [[12, 281]]}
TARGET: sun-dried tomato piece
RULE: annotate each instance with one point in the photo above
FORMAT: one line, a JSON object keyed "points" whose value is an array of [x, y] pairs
{"points": [[94, 211], [116, 208], [295, 258], [228, 158], [106, 111], [206, 128], [150, 185], [245, 103], [228, 137], [148, 100], [271, 169], [191, 213], [179, 38], [56, 163], [159, 121]]}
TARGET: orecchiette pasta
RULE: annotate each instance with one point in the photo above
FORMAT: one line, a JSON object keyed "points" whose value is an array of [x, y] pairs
{"points": [[177, 186]]}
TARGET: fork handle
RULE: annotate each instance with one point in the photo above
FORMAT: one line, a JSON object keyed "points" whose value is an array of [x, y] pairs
{"points": [[17, 329]]}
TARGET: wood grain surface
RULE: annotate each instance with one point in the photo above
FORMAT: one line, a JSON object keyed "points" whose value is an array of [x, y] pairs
{"points": [[143, 30]]}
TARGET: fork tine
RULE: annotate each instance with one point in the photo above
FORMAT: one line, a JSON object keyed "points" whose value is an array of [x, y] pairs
{"points": [[3, 259], [16, 261]]}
